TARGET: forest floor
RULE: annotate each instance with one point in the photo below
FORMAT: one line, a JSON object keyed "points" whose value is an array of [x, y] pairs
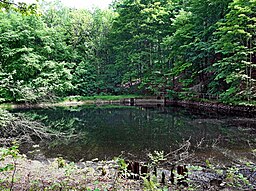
{"points": [[58, 174]]}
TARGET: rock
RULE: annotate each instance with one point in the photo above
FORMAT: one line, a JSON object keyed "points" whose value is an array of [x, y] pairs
{"points": [[223, 184], [88, 162], [95, 160]]}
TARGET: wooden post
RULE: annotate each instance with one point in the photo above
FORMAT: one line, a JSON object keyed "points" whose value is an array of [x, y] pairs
{"points": [[182, 170], [163, 178], [144, 170], [132, 101]]}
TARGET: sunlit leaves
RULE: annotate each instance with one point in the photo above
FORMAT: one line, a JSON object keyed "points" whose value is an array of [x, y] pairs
{"points": [[30, 69], [21, 7], [236, 42]]}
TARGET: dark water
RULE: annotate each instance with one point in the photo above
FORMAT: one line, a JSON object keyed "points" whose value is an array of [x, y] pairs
{"points": [[108, 131]]}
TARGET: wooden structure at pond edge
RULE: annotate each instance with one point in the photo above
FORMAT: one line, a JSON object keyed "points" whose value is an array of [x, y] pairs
{"points": [[159, 99], [137, 170], [144, 101]]}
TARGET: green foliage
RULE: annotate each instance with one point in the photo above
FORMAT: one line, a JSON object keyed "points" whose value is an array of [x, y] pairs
{"points": [[58, 54], [136, 42], [151, 184], [143, 47], [27, 72], [122, 165], [156, 157], [234, 177], [61, 162], [8, 152], [236, 42], [21, 7]]}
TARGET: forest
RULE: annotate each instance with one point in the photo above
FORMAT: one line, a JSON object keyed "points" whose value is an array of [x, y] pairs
{"points": [[183, 48], [185, 51]]}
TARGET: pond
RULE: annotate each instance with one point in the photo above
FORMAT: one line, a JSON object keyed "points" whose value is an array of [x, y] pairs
{"points": [[107, 131]]}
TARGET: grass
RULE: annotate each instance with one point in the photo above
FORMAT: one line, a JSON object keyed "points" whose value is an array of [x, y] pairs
{"points": [[98, 97], [79, 99], [243, 103], [6, 106]]}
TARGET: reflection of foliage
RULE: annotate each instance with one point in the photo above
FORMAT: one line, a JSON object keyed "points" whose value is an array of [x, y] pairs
{"points": [[56, 124], [63, 124], [5, 118], [17, 127], [88, 129]]}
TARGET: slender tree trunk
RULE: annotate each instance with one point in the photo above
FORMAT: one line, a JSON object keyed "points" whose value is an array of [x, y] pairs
{"points": [[250, 71]]}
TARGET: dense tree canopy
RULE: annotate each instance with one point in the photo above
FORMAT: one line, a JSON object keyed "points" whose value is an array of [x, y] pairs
{"points": [[24, 8], [195, 47]]}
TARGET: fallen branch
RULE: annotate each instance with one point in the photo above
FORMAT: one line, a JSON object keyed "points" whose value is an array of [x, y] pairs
{"points": [[16, 127]]}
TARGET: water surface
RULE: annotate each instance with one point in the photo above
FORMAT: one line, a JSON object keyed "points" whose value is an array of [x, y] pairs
{"points": [[107, 131]]}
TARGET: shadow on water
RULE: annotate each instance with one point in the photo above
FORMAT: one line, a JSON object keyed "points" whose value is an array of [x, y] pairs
{"points": [[107, 131]]}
